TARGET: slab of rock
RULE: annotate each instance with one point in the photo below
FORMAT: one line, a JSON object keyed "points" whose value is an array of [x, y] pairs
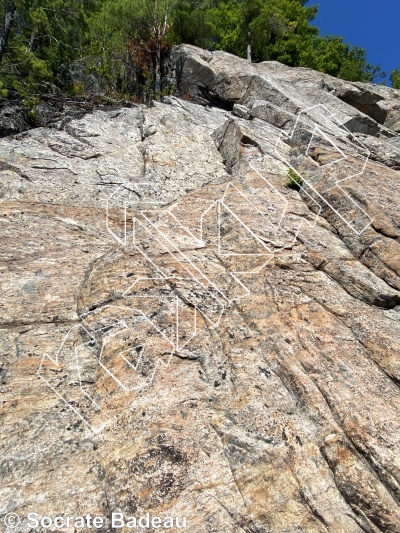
{"points": [[240, 111], [363, 108], [189, 330]]}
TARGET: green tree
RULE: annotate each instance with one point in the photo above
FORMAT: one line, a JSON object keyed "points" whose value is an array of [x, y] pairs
{"points": [[281, 30], [131, 31], [189, 23], [226, 21], [125, 41], [291, 42], [333, 56], [395, 78], [44, 37], [278, 29]]}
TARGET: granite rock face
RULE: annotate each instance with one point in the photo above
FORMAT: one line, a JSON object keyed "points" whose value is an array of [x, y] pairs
{"points": [[181, 332]]}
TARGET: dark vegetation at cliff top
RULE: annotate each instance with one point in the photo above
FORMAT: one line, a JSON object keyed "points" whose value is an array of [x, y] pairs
{"points": [[116, 48]]}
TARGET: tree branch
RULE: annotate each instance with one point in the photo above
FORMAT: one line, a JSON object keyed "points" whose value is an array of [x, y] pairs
{"points": [[8, 20]]}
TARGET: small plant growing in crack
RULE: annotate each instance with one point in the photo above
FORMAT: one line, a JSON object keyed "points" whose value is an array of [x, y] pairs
{"points": [[293, 181]]}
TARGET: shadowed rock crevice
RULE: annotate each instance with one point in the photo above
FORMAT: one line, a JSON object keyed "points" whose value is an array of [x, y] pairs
{"points": [[365, 101]]}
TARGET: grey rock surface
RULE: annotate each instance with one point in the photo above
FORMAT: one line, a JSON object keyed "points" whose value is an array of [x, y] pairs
{"points": [[200, 309]]}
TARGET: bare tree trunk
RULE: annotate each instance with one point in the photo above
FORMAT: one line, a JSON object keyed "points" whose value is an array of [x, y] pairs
{"points": [[158, 68], [249, 39], [5, 31]]}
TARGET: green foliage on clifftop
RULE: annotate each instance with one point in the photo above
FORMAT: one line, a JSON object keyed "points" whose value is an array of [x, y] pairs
{"points": [[395, 78], [124, 42]]}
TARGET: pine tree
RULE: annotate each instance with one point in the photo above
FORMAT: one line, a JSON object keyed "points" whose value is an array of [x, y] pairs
{"points": [[395, 78]]}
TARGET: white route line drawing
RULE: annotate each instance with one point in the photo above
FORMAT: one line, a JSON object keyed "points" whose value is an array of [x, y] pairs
{"points": [[347, 132], [92, 334], [192, 273], [177, 346], [129, 187]]}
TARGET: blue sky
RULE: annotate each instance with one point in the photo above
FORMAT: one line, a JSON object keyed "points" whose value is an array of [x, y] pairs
{"points": [[372, 24]]}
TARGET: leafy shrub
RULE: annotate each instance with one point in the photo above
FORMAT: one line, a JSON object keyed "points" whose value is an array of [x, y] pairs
{"points": [[293, 181]]}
